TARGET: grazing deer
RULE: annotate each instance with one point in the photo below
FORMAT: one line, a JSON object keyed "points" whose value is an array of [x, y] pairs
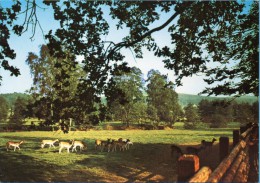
{"points": [[13, 144], [66, 145], [102, 144], [206, 144], [194, 150], [79, 144], [113, 145], [123, 145], [97, 143], [49, 142], [129, 143]]}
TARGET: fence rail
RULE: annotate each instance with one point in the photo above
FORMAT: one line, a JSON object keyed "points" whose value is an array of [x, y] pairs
{"points": [[234, 167]]}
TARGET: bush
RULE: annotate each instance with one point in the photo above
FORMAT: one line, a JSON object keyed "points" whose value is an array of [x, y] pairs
{"points": [[108, 127], [201, 125], [188, 125]]}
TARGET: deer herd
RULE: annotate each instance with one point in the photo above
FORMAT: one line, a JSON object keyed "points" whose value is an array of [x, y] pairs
{"points": [[109, 145]]}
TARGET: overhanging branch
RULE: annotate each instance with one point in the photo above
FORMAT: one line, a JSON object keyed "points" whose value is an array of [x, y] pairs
{"points": [[129, 44]]}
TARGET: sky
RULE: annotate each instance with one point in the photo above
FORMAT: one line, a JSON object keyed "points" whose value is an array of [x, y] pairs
{"points": [[23, 45]]}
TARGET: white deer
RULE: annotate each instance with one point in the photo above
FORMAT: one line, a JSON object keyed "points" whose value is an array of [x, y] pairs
{"points": [[13, 144], [49, 142], [79, 144], [66, 145]]}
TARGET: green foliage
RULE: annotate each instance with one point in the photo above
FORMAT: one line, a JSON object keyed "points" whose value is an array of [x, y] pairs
{"points": [[246, 113], [55, 83], [11, 97], [185, 99], [202, 33], [162, 98], [219, 112], [192, 116], [18, 116], [206, 33], [4, 108], [125, 97], [8, 17]]}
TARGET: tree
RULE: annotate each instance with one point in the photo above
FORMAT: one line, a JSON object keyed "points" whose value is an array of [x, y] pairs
{"points": [[125, 96], [55, 83], [206, 110], [17, 119], [191, 114], [217, 113], [201, 33], [4, 109], [8, 16], [244, 113], [229, 40], [162, 97]]}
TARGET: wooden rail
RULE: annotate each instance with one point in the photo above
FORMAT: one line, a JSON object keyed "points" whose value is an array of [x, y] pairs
{"points": [[233, 168]]}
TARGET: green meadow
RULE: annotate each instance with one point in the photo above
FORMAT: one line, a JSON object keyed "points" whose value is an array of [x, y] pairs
{"points": [[149, 159]]}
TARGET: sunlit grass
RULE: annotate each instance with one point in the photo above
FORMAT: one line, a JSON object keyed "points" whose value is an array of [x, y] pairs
{"points": [[149, 157]]}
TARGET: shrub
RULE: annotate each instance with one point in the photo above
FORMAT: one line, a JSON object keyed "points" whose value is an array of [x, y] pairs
{"points": [[188, 125]]}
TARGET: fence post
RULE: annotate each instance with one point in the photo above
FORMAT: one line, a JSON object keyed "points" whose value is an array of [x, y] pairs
{"points": [[236, 137], [188, 165], [223, 147]]}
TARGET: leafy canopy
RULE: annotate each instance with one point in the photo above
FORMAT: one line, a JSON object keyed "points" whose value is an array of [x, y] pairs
{"points": [[215, 38]]}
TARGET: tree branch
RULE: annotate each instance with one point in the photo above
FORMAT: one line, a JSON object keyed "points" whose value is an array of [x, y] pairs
{"points": [[128, 44]]}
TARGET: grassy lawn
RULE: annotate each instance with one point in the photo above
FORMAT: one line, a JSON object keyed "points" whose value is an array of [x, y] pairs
{"points": [[147, 160]]}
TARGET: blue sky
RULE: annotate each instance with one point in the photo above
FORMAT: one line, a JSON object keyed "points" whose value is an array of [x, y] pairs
{"points": [[23, 45]]}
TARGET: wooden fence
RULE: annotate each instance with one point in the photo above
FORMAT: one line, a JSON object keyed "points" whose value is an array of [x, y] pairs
{"points": [[234, 167]]}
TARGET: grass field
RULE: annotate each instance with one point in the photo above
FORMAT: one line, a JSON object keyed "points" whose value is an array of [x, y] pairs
{"points": [[147, 160]]}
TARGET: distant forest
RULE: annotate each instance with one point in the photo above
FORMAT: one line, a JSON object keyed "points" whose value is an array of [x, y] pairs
{"points": [[184, 99]]}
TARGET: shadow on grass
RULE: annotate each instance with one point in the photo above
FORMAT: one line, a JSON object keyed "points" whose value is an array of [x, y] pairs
{"points": [[21, 168], [142, 162]]}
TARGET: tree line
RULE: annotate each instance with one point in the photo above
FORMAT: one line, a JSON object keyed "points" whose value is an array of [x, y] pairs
{"points": [[218, 113], [224, 34], [59, 92]]}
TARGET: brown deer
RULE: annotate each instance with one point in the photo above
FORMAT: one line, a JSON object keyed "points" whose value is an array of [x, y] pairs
{"points": [[66, 145], [13, 144], [79, 144], [194, 150], [102, 144], [49, 142]]}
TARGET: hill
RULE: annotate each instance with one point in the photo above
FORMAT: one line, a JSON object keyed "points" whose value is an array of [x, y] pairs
{"points": [[185, 99], [11, 97]]}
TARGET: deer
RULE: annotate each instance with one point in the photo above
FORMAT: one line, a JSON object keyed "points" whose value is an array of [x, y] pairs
{"points": [[67, 145], [49, 142], [128, 144], [206, 144], [123, 145], [79, 144], [194, 150], [102, 144], [13, 144]]}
